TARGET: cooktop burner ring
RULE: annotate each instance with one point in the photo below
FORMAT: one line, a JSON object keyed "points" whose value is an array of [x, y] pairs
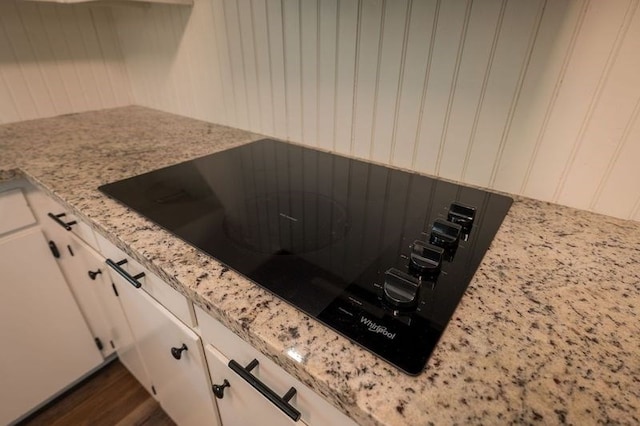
{"points": [[287, 223]]}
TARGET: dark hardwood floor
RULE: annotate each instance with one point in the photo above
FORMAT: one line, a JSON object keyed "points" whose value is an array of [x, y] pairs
{"points": [[110, 397]]}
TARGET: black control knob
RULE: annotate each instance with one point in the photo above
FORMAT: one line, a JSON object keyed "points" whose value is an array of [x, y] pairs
{"points": [[400, 289], [462, 215], [218, 390], [425, 259], [177, 352], [94, 274], [445, 234]]}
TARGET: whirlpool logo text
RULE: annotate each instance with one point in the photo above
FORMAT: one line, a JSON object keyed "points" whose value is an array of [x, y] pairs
{"points": [[376, 328]]}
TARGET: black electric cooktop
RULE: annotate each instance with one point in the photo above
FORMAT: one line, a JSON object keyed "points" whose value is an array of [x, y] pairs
{"points": [[381, 256]]}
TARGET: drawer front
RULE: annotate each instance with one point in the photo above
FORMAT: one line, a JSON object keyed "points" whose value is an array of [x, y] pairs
{"points": [[239, 404], [153, 285], [56, 218], [15, 213], [313, 408]]}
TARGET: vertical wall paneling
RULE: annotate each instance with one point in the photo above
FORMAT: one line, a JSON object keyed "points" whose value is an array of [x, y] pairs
{"points": [[260, 41], [585, 71], [512, 53], [390, 57], [348, 22], [227, 94], [471, 85], [614, 110], [38, 42], [19, 105], [180, 75], [105, 31], [245, 111], [559, 27], [417, 64], [87, 81], [309, 64], [636, 214], [453, 17], [275, 55], [534, 97], [622, 174], [292, 67], [69, 74], [327, 23], [99, 72], [249, 60], [25, 70], [8, 109], [57, 59], [371, 32]]}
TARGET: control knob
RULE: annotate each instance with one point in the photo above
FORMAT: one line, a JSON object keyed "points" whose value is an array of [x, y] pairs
{"points": [[425, 259], [401, 289], [462, 215], [445, 234]]}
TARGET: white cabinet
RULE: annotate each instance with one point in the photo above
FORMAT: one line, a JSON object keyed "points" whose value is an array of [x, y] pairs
{"points": [[238, 403], [171, 356], [243, 401], [85, 273], [46, 344], [121, 334], [74, 242], [174, 357]]}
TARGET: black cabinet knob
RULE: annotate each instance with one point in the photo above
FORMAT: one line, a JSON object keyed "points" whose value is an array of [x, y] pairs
{"points": [[218, 390], [177, 352], [93, 274]]}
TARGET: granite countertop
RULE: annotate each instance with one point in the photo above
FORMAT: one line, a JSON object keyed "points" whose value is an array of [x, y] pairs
{"points": [[548, 331]]}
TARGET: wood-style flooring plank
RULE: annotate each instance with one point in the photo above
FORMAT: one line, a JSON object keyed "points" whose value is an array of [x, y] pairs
{"points": [[111, 396]]}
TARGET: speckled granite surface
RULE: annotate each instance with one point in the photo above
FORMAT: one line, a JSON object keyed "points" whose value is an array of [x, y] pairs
{"points": [[548, 332]]}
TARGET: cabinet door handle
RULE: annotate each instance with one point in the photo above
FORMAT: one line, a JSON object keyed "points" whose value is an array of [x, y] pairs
{"points": [[94, 274], [281, 402], [177, 352], [218, 390], [133, 280], [56, 218], [54, 249]]}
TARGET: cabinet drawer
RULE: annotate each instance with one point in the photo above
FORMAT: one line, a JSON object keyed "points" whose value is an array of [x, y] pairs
{"points": [[14, 211], [54, 217], [313, 408], [153, 285], [239, 403]]}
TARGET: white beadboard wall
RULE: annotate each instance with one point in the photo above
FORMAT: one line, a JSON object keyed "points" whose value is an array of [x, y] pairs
{"points": [[532, 97], [58, 59]]}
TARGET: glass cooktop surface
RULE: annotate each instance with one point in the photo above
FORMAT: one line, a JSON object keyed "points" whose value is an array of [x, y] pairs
{"points": [[382, 256]]}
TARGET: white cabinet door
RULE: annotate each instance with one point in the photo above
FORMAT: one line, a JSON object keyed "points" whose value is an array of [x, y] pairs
{"points": [[46, 344], [180, 379], [121, 334], [86, 273], [241, 404]]}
